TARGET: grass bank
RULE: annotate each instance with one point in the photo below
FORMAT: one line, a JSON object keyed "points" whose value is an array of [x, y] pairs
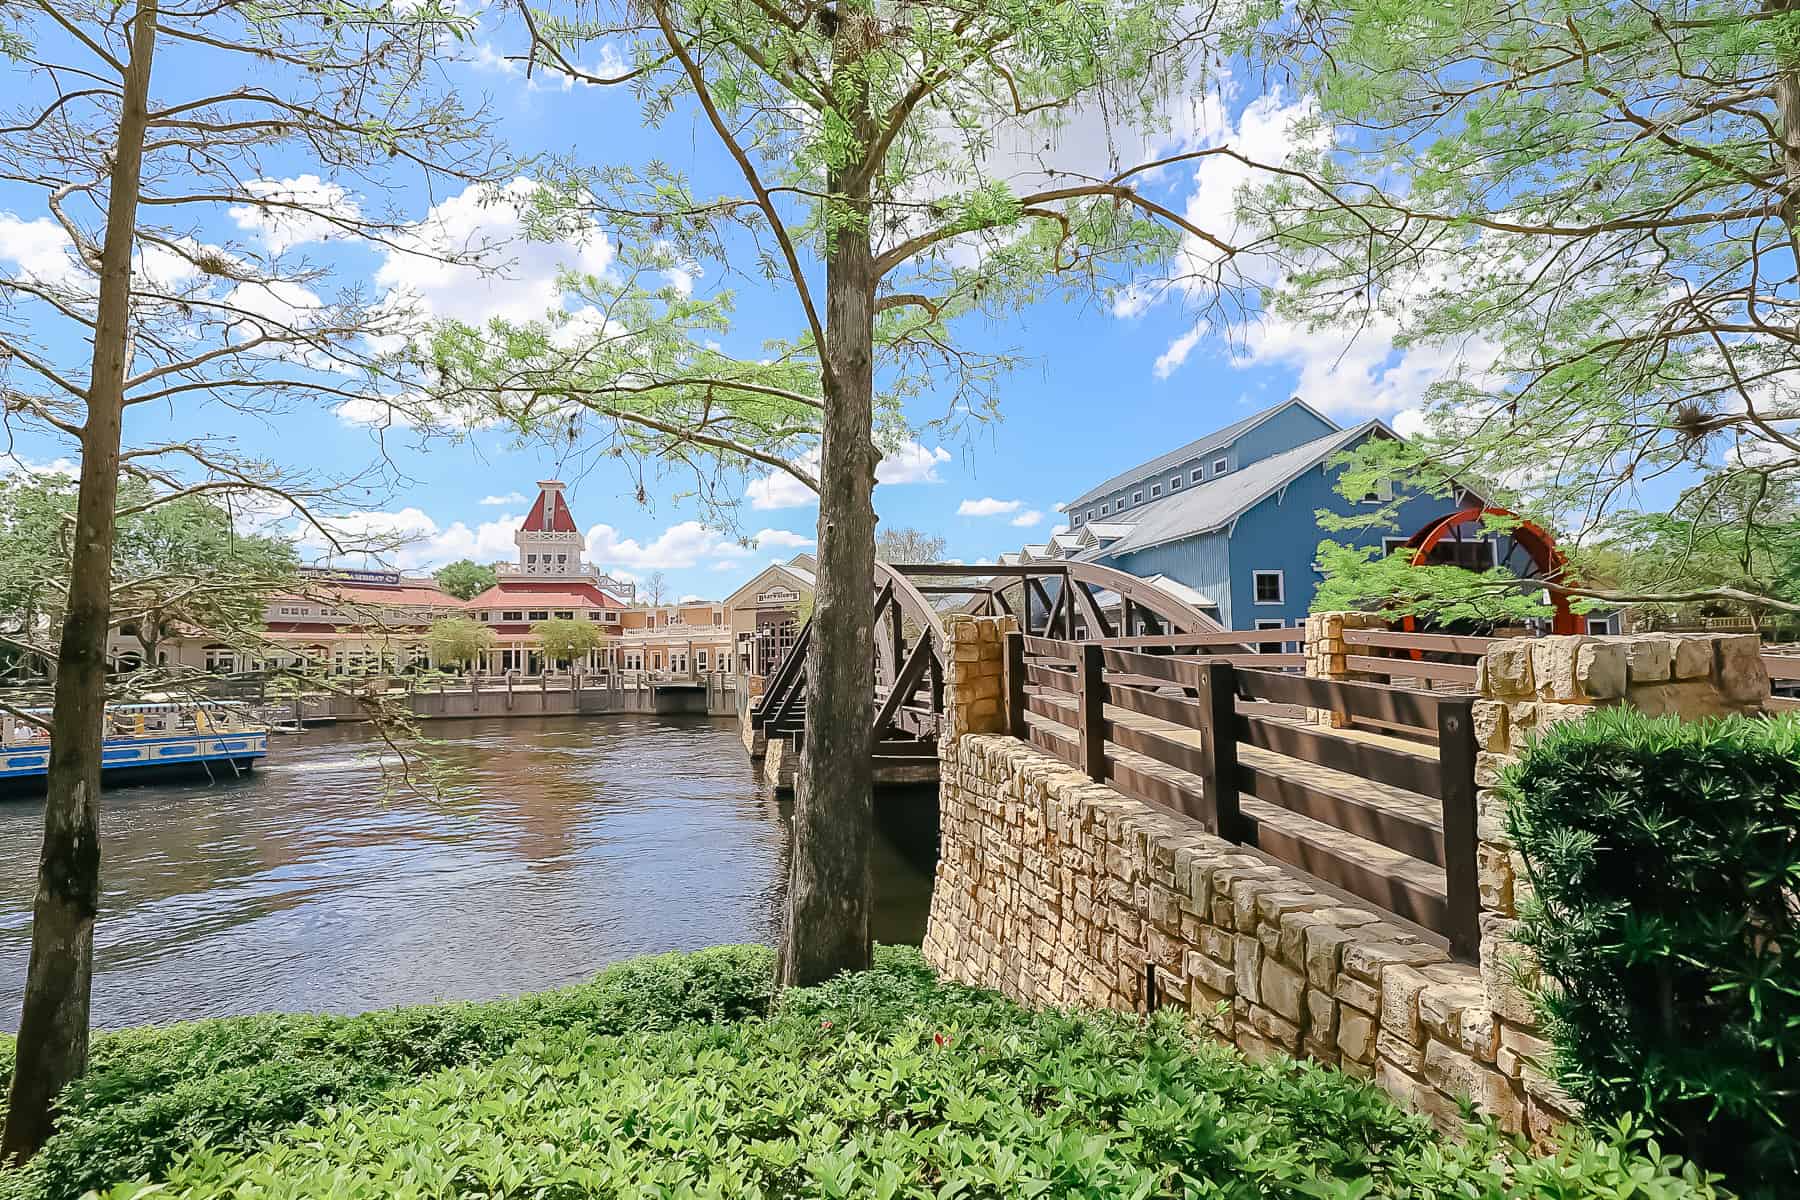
{"points": [[673, 1077]]}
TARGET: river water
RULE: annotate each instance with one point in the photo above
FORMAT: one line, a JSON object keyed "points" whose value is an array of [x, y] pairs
{"points": [[562, 844]]}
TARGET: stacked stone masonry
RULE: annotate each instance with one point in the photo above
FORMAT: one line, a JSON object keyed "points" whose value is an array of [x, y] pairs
{"points": [[1056, 890]]}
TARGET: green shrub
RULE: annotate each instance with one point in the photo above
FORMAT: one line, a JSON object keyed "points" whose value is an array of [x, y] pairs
{"points": [[888, 1084], [152, 1093], [1665, 858]]}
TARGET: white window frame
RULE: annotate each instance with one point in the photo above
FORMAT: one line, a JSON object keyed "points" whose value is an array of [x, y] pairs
{"points": [[1382, 494], [1280, 587], [1198, 475], [1155, 490], [1270, 623], [1391, 544], [1605, 624], [1175, 482], [1221, 464], [1137, 497]]}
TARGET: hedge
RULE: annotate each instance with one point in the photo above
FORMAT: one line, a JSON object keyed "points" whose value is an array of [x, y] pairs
{"points": [[1665, 861]]}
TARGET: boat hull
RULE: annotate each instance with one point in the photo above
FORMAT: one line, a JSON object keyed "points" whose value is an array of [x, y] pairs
{"points": [[136, 760]]}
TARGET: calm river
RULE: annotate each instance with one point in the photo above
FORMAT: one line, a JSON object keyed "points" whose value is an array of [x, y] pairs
{"points": [[565, 844]]}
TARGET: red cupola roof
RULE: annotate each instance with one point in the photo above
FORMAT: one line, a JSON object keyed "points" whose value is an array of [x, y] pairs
{"points": [[550, 513]]}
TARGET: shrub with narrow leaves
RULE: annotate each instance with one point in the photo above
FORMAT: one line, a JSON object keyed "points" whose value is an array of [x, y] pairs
{"points": [[1665, 861], [151, 1093], [883, 1085]]}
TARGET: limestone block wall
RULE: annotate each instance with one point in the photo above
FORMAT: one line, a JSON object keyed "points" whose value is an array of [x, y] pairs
{"points": [[974, 674], [1057, 890]]}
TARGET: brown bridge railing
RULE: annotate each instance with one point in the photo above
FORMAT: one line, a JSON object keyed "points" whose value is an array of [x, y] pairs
{"points": [[1216, 739]]}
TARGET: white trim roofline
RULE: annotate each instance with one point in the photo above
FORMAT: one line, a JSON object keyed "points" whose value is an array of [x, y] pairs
{"points": [[1199, 446]]}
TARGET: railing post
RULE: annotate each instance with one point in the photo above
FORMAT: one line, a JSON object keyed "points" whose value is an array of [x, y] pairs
{"points": [[1219, 740], [1015, 685], [1462, 888], [1091, 695]]}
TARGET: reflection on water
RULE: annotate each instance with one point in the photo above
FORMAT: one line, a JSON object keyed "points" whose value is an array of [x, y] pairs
{"points": [[567, 843]]}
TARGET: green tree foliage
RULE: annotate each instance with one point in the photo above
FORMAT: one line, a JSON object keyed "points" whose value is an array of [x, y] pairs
{"points": [[465, 579], [1589, 210], [889, 176], [565, 640], [179, 564], [1662, 855], [458, 641]]}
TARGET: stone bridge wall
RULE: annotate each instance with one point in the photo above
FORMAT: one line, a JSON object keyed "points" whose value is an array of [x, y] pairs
{"points": [[1057, 890]]}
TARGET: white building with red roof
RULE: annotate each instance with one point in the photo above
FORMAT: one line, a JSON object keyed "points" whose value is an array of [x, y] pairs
{"points": [[357, 622]]}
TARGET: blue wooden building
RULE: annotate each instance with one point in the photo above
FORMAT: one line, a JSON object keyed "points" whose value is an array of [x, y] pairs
{"points": [[1232, 517]]}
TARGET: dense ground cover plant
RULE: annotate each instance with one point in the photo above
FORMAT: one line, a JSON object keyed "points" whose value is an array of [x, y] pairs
{"points": [[150, 1094], [884, 1084], [1665, 858]]}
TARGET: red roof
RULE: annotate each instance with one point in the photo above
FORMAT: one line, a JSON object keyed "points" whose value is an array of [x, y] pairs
{"points": [[573, 594], [549, 514], [374, 594]]}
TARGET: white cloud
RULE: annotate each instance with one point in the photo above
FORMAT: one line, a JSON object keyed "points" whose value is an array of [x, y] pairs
{"points": [[912, 463], [1026, 520], [987, 506], [412, 541], [676, 548], [12, 464], [509, 498], [481, 223], [776, 539], [778, 489], [300, 214], [1177, 353], [40, 249], [690, 598]]}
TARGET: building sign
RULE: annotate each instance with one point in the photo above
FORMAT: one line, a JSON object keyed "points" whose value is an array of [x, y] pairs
{"points": [[778, 595], [345, 575]]}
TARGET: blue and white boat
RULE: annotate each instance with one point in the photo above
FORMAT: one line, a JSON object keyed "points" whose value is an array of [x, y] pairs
{"points": [[144, 741]]}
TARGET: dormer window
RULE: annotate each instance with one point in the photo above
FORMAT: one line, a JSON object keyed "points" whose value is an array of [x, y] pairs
{"points": [[1198, 475], [1174, 483], [1221, 465], [1137, 497], [1156, 489]]}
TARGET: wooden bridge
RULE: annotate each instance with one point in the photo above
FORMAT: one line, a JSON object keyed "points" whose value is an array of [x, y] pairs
{"points": [[1061, 599]]}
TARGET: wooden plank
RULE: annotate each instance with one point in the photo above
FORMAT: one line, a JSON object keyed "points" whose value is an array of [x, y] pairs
{"points": [[1176, 710], [1167, 670], [1046, 706], [1400, 831], [1042, 647], [1405, 897], [1443, 643], [1396, 768], [1782, 666], [1161, 747], [1462, 893], [1101, 625], [990, 571], [1057, 742], [1015, 683], [912, 673], [1413, 668], [1035, 587], [1090, 720], [1155, 789], [1221, 637], [1219, 736], [1050, 677], [1416, 710], [1782, 703]]}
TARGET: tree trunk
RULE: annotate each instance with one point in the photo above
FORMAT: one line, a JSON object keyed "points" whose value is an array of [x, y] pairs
{"points": [[830, 891], [53, 1027]]}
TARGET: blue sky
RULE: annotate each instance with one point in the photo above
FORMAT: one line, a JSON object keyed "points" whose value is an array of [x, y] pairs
{"points": [[1107, 383]]}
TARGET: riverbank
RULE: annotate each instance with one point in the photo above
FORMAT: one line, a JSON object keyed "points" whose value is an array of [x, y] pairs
{"points": [[681, 1075]]}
